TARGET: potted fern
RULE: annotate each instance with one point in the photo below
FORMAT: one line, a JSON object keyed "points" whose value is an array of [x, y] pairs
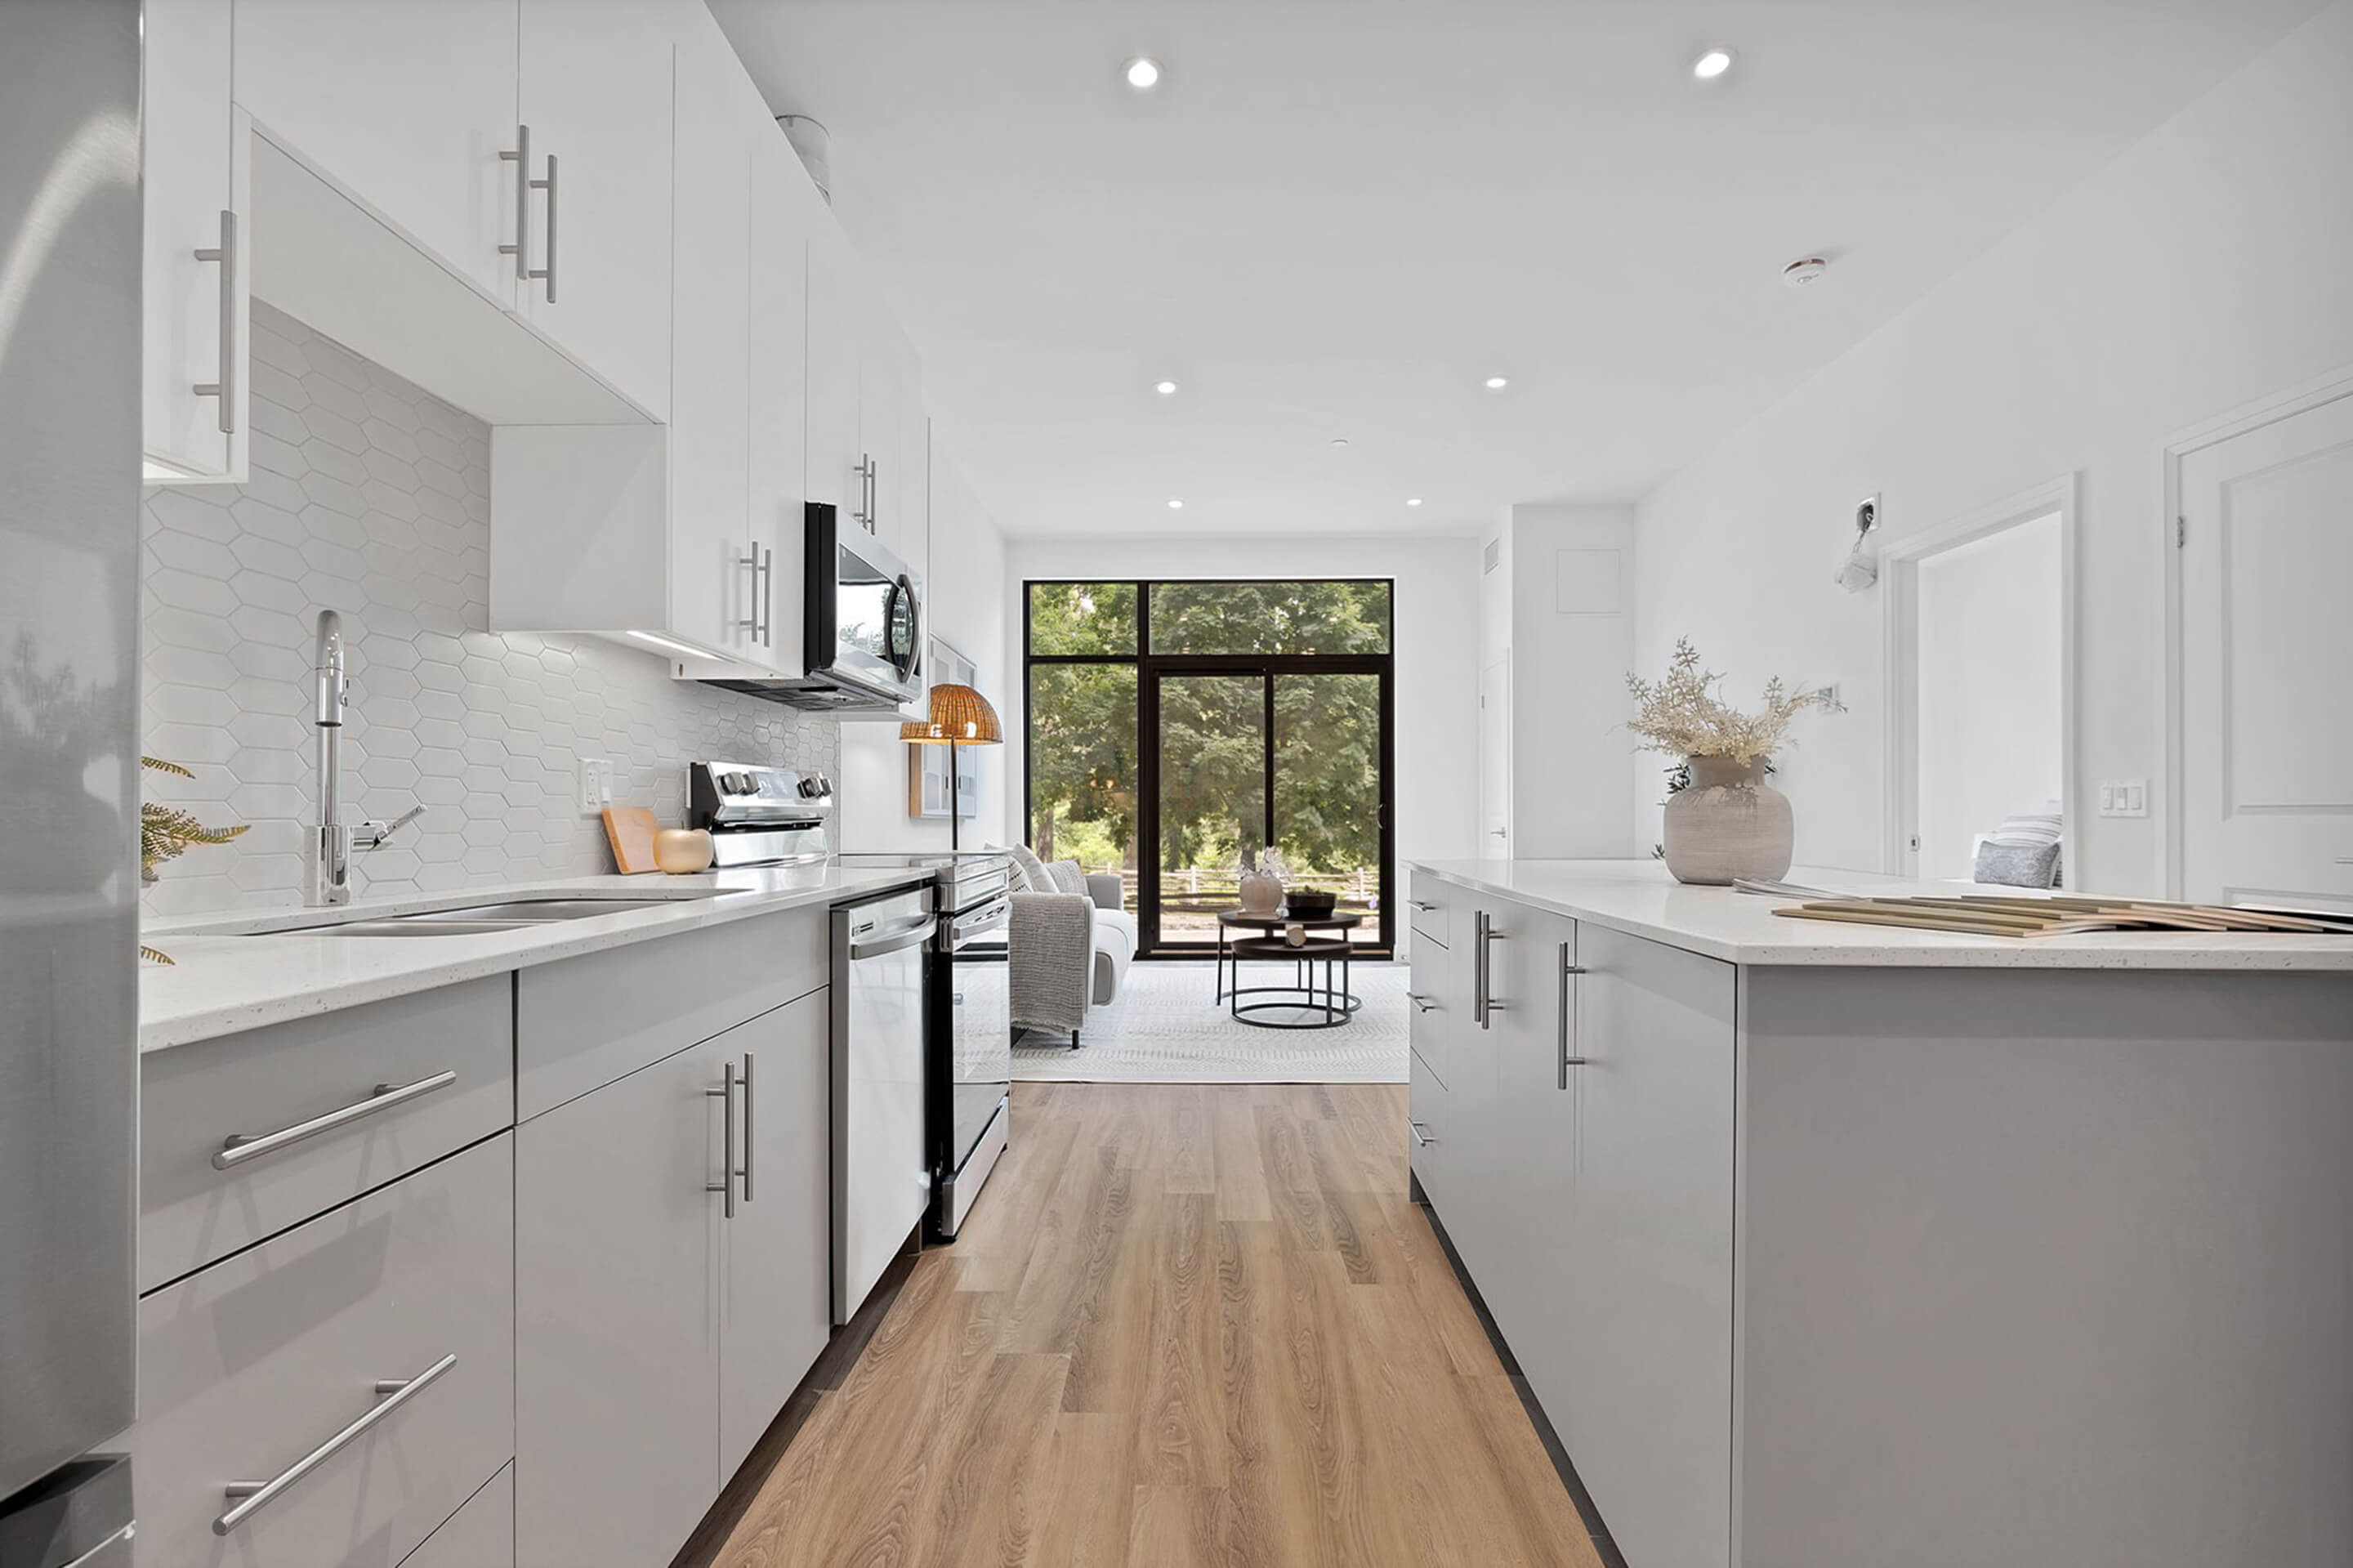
{"points": [[167, 833]]}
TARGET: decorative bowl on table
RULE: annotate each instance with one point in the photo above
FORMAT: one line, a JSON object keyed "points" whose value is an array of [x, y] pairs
{"points": [[1308, 904]]}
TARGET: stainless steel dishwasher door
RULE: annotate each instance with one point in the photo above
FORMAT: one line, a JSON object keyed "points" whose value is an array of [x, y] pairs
{"points": [[881, 1183]]}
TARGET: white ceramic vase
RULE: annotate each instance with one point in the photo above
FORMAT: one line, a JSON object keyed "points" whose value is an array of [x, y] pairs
{"points": [[1728, 823]]}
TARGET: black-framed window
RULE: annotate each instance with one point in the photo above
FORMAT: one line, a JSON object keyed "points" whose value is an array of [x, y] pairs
{"points": [[1175, 727]]}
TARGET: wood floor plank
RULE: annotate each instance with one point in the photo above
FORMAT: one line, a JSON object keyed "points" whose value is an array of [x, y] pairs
{"points": [[1198, 1325]]}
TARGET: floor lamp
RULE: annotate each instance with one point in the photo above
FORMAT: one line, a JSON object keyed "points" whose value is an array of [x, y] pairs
{"points": [[959, 717]]}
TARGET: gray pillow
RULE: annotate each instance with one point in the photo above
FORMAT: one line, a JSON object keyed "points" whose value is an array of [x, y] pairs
{"points": [[1066, 876], [2017, 865], [1029, 871]]}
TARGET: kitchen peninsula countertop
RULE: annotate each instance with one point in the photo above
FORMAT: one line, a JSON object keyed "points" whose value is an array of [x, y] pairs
{"points": [[240, 969], [1642, 899]]}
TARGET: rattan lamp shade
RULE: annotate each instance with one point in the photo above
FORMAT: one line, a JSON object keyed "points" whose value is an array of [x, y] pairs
{"points": [[959, 717]]}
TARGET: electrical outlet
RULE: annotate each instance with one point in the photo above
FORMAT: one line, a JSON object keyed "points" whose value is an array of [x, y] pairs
{"points": [[594, 779], [2125, 798]]}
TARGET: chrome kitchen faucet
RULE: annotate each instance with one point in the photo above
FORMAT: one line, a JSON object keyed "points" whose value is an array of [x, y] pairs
{"points": [[332, 843]]}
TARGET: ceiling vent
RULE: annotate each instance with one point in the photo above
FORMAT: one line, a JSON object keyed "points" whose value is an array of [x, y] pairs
{"points": [[814, 142]]}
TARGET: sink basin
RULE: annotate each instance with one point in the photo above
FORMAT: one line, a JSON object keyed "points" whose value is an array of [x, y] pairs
{"points": [[478, 919]]}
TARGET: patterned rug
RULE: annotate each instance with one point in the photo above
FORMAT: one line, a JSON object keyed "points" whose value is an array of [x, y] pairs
{"points": [[1163, 1028]]}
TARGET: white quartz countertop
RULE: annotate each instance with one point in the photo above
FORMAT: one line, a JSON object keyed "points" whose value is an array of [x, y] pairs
{"points": [[241, 970], [1640, 897]]}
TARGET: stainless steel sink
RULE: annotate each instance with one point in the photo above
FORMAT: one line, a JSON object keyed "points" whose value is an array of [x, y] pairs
{"points": [[478, 919]]}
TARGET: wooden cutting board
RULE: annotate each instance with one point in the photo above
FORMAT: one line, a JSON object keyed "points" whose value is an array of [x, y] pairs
{"points": [[630, 829]]}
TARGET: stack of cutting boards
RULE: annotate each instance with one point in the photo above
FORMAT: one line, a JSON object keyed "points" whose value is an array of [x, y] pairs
{"points": [[1992, 914]]}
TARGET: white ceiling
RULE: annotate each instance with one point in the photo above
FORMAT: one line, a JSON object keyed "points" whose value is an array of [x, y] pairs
{"points": [[1337, 220]]}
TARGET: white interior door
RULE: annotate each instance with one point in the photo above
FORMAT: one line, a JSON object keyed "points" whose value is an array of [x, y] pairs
{"points": [[1495, 759], [2267, 712]]}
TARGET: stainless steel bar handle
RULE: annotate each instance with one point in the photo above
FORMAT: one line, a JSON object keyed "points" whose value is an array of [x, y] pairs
{"points": [[226, 388], [548, 271], [238, 1148], [1421, 903], [858, 515], [252, 1497], [1425, 1003], [1421, 1133], [1568, 973], [521, 248], [1483, 1007], [751, 623], [725, 1185], [767, 596], [748, 1143]]}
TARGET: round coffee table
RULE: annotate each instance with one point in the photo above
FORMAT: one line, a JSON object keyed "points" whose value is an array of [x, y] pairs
{"points": [[1303, 1003]]}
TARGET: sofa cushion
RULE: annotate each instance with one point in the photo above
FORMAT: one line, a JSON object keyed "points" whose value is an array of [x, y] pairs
{"points": [[1067, 878], [1031, 870]]}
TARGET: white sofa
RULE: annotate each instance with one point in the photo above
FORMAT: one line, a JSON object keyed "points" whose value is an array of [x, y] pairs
{"points": [[1069, 950]]}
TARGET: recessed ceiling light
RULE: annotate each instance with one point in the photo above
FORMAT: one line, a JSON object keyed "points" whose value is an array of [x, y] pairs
{"points": [[1712, 64], [1143, 73], [1413, 500], [1496, 384], [1166, 389], [1176, 505]]}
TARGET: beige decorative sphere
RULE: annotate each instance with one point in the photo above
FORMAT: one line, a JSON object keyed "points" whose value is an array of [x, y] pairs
{"points": [[683, 850]]}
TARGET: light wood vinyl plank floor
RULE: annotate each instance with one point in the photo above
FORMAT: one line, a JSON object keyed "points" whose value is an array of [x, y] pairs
{"points": [[1186, 1325]]}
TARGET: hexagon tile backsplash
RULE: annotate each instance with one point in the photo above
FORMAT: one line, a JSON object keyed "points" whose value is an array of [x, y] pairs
{"points": [[372, 497]]}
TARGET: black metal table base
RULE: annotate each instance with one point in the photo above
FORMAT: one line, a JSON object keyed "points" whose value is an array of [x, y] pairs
{"points": [[1308, 1004]]}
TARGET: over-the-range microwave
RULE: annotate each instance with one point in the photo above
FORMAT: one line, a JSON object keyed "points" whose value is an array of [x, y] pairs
{"points": [[863, 625]]}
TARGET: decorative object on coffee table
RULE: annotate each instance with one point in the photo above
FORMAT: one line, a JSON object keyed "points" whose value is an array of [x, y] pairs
{"points": [[1728, 823], [1310, 903], [1303, 1003], [1262, 886]]}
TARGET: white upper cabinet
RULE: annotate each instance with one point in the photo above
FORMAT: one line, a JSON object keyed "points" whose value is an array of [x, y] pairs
{"points": [[912, 496], [784, 210], [193, 331], [405, 106], [712, 597], [837, 332], [595, 91], [525, 144]]}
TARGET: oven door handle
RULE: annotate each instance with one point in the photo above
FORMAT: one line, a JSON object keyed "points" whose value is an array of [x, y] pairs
{"points": [[906, 936], [995, 918]]}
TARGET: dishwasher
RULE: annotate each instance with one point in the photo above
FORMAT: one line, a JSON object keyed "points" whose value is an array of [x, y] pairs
{"points": [[881, 1180]]}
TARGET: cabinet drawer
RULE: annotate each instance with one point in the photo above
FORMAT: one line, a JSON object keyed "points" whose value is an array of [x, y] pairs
{"points": [[1429, 915], [478, 1535], [263, 1359], [1426, 1123], [585, 1021], [444, 1055]]}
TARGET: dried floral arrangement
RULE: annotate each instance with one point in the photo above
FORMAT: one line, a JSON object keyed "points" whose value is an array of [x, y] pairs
{"points": [[166, 832], [1682, 715]]}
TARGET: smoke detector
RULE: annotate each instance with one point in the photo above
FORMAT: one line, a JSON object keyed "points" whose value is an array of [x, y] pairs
{"points": [[1800, 272]]}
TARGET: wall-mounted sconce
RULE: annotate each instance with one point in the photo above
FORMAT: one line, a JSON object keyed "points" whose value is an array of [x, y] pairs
{"points": [[1860, 570]]}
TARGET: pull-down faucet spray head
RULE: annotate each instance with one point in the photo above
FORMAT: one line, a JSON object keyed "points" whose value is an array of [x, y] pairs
{"points": [[327, 669]]}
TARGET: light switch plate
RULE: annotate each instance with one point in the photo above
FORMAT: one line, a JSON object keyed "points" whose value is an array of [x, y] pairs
{"points": [[2123, 798]]}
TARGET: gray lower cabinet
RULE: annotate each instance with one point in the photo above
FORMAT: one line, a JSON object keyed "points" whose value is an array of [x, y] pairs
{"points": [[1639, 1383], [1584, 1174], [662, 1322], [357, 1368]]}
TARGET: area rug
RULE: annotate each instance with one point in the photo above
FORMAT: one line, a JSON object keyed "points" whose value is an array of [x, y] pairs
{"points": [[1164, 1028]]}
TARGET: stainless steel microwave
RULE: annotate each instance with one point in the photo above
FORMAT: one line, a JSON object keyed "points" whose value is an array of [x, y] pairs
{"points": [[861, 624]]}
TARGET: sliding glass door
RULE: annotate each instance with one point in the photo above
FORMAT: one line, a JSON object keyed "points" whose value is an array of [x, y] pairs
{"points": [[1177, 730]]}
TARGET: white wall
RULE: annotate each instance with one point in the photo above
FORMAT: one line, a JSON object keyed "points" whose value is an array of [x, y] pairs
{"points": [[1988, 702], [964, 590], [2206, 268], [1437, 611]]}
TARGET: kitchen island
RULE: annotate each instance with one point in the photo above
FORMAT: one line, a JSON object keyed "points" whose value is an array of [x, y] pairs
{"points": [[1830, 1246]]}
